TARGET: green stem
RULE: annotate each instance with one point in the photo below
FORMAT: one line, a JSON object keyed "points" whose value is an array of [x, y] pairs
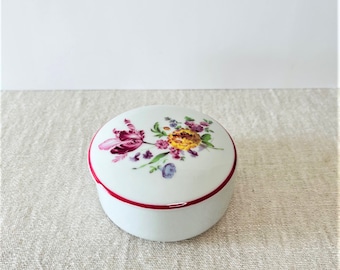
{"points": [[148, 143], [154, 160]]}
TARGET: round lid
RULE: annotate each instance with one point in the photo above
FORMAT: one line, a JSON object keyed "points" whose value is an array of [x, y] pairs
{"points": [[162, 157]]}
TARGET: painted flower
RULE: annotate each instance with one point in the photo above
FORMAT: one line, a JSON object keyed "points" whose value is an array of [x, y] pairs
{"points": [[162, 144], [184, 139], [203, 123], [135, 157], [178, 141], [173, 123], [124, 141], [175, 153], [194, 127], [169, 170], [147, 154], [193, 153]]}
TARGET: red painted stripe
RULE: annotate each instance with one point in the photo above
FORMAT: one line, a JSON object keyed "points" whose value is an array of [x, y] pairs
{"points": [[167, 206]]}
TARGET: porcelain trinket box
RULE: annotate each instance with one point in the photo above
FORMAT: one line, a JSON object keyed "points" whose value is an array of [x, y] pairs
{"points": [[163, 173]]}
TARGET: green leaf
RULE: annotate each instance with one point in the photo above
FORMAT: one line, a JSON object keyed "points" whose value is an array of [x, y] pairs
{"points": [[155, 127], [154, 160], [153, 169], [208, 144], [161, 134], [206, 137], [158, 131], [187, 118], [208, 130], [208, 121], [158, 157]]}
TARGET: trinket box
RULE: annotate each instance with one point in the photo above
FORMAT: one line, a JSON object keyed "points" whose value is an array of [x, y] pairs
{"points": [[163, 173]]}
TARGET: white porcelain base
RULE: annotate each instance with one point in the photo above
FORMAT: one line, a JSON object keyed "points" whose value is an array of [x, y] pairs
{"points": [[167, 225]]}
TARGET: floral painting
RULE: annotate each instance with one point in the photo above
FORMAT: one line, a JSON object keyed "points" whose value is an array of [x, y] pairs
{"points": [[175, 141]]}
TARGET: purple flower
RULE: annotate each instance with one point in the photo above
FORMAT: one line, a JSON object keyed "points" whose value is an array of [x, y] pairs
{"points": [[162, 144], [193, 153], [194, 127], [169, 170], [173, 123], [204, 124], [189, 123], [135, 157], [147, 154], [197, 128]]}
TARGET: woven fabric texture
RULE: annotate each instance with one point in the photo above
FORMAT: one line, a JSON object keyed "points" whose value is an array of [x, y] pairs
{"points": [[283, 214]]}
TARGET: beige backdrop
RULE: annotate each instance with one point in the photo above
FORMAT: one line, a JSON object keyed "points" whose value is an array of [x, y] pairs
{"points": [[282, 215]]}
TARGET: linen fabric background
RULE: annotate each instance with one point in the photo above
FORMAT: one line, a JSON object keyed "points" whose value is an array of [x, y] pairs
{"points": [[283, 214]]}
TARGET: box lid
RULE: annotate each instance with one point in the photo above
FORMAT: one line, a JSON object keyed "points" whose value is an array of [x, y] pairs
{"points": [[162, 157]]}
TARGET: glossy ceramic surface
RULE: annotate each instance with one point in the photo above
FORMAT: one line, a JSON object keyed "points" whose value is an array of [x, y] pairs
{"points": [[153, 160]]}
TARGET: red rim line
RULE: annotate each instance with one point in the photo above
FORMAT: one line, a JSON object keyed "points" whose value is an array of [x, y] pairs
{"points": [[166, 206]]}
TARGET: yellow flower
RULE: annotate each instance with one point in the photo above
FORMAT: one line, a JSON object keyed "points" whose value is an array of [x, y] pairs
{"points": [[184, 139]]}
